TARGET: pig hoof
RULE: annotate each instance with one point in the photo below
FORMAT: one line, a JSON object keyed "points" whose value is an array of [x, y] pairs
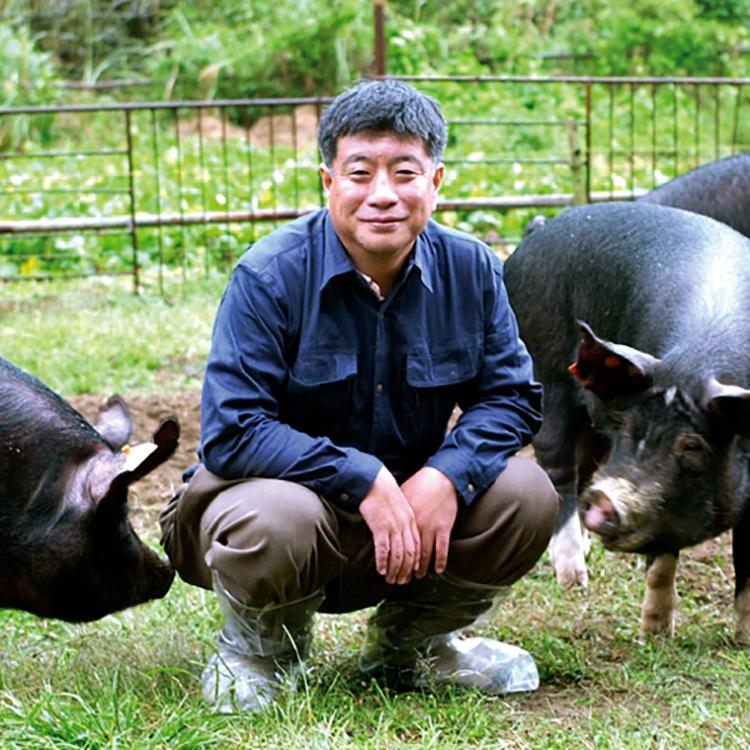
{"points": [[570, 565], [656, 624], [742, 617], [570, 570], [570, 577], [742, 634], [567, 552]]}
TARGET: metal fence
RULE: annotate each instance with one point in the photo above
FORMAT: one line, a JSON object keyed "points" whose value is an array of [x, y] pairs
{"points": [[149, 188]]}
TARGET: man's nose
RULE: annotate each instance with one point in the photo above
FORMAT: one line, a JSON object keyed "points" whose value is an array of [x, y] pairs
{"points": [[382, 191]]}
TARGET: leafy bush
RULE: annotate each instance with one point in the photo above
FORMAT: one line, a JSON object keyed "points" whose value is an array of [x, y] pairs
{"points": [[660, 37], [27, 77], [282, 49], [92, 39]]}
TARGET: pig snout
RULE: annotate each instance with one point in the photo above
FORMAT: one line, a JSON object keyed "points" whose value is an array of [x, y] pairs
{"points": [[599, 513], [159, 575]]}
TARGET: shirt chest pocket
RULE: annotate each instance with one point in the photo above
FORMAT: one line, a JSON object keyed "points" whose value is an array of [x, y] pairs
{"points": [[435, 380], [319, 391]]}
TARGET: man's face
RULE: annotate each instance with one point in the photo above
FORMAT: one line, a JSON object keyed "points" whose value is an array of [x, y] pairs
{"points": [[382, 190]]}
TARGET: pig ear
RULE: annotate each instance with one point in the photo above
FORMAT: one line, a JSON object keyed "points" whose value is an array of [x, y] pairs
{"points": [[610, 370], [113, 422], [730, 403], [165, 441]]}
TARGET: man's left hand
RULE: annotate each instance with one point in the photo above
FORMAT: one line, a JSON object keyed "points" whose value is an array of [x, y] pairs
{"points": [[434, 501]]}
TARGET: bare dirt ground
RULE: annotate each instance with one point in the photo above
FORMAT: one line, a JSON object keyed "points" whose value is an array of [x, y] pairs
{"points": [[150, 494], [297, 130]]}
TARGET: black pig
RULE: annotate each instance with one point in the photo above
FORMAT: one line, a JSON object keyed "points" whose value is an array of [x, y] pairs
{"points": [[67, 549], [653, 431], [719, 189]]}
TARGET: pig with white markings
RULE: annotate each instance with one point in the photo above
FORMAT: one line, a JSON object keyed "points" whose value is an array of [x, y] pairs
{"points": [[638, 320]]}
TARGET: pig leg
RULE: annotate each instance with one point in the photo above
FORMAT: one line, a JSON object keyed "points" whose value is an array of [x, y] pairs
{"points": [[741, 556], [556, 450], [660, 602]]}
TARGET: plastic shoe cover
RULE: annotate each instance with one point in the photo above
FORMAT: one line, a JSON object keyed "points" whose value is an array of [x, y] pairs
{"points": [[414, 643], [259, 650], [234, 682], [483, 663]]}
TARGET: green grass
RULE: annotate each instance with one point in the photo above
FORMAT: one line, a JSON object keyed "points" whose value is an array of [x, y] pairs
{"points": [[98, 337], [131, 680]]}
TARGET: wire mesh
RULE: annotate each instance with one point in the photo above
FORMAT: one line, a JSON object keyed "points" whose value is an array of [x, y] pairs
{"points": [[139, 188]]}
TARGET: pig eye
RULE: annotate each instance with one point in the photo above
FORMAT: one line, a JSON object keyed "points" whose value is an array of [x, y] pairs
{"points": [[691, 444]]}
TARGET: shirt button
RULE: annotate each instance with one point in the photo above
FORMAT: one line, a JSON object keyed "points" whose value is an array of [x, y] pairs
{"points": [[470, 487], [379, 387], [344, 496]]}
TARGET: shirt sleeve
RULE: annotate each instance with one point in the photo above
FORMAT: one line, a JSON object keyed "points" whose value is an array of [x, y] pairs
{"points": [[246, 373], [505, 410]]}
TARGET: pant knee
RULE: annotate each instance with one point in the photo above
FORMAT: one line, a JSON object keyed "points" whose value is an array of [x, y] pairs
{"points": [[262, 538], [538, 500], [509, 530]]}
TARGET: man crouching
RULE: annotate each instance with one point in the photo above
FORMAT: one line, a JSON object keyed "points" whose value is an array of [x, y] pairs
{"points": [[342, 344]]}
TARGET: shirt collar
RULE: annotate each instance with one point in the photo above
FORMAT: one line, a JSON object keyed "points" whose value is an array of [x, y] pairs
{"points": [[422, 260], [336, 260]]}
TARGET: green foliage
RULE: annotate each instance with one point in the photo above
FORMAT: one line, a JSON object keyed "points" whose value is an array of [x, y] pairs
{"points": [[282, 49], [27, 78], [659, 37], [467, 37], [643, 37], [505, 139], [731, 11], [92, 39]]}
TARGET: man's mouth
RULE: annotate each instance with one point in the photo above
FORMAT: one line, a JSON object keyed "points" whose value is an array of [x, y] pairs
{"points": [[384, 221]]}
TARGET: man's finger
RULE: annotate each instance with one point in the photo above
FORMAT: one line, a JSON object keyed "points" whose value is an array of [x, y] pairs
{"points": [[382, 549], [426, 554], [407, 566], [417, 544], [442, 543], [395, 559]]}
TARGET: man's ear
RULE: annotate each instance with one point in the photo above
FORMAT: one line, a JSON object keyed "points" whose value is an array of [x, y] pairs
{"points": [[326, 177], [437, 181], [437, 177]]}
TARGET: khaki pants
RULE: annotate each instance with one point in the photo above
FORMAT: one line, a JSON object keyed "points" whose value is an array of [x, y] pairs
{"points": [[273, 541]]}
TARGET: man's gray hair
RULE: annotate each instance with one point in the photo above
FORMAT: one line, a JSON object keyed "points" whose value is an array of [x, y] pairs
{"points": [[383, 106]]}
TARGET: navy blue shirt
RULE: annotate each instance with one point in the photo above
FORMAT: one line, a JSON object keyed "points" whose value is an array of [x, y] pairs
{"points": [[312, 379]]}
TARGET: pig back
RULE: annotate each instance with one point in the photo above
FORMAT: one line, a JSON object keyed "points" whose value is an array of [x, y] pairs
{"points": [[719, 189], [652, 277]]}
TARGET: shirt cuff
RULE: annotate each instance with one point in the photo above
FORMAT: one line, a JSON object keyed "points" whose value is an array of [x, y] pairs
{"points": [[351, 485], [468, 484]]}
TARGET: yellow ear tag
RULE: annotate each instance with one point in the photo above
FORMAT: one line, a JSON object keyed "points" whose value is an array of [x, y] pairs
{"points": [[135, 455]]}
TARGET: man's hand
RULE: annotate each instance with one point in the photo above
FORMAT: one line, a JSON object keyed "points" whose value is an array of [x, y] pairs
{"points": [[394, 530], [435, 503]]}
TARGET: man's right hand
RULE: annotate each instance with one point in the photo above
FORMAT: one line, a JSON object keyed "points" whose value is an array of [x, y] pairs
{"points": [[391, 520]]}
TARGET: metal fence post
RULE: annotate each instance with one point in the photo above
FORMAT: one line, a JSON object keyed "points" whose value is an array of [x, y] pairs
{"points": [[588, 142], [578, 176], [131, 190], [379, 21]]}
